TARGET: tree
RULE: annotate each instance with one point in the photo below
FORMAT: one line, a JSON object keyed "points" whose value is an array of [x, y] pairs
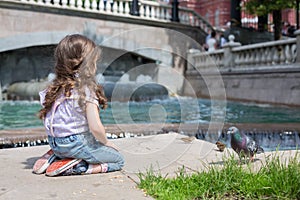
{"points": [[264, 7]]}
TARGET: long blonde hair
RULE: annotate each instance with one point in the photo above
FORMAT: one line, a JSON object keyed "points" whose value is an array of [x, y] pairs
{"points": [[75, 67]]}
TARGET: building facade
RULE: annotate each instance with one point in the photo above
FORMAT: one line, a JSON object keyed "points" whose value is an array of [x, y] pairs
{"points": [[219, 13]]}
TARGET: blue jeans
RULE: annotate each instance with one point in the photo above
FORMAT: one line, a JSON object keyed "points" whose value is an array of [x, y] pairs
{"points": [[84, 146]]}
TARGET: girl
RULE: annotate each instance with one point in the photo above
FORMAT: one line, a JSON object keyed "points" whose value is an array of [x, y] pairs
{"points": [[71, 114]]}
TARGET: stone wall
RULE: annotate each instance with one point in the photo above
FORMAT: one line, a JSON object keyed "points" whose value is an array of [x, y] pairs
{"points": [[267, 72], [276, 86], [25, 25]]}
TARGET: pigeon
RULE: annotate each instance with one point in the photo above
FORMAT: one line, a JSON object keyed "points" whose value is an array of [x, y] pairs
{"points": [[243, 145]]}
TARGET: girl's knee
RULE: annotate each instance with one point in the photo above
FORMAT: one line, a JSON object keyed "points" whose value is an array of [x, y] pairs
{"points": [[121, 161]]}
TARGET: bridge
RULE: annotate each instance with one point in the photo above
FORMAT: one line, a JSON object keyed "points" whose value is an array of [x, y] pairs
{"points": [[45, 22], [30, 27], [266, 72]]}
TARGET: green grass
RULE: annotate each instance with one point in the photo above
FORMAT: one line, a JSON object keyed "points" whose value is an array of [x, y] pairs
{"points": [[274, 180]]}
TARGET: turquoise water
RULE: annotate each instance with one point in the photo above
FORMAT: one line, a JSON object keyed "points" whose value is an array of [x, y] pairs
{"points": [[21, 114]]}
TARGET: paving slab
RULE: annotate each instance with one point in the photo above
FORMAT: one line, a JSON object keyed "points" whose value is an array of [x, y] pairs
{"points": [[164, 153]]}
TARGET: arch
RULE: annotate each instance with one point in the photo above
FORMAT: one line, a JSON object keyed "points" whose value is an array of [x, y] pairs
{"points": [[31, 39]]}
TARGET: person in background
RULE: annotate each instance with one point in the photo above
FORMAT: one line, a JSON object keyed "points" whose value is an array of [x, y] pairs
{"points": [[222, 40], [212, 42], [206, 40]]}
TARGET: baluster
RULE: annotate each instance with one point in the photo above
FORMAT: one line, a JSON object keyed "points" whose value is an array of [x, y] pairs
{"points": [[269, 55], [101, 5], [294, 52], [153, 14], [79, 4], [275, 56], [147, 11], [288, 53], [40, 2], [188, 21], [127, 8], [115, 7], [23, 0], [156, 12], [94, 5], [200, 61], [168, 16], [160, 13], [207, 59], [31, 1], [56, 2], [87, 4], [72, 3], [186, 18], [263, 54], [256, 56], [121, 7], [142, 13], [241, 58], [166, 12], [192, 20], [108, 6], [237, 59], [282, 55], [247, 57], [47, 2], [181, 17], [64, 3], [253, 57], [197, 22]]}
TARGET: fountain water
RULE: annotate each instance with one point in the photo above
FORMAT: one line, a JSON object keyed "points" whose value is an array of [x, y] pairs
{"points": [[270, 140], [1, 98]]}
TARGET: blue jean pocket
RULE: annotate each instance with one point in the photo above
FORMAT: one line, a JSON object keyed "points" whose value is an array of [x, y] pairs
{"points": [[66, 146]]}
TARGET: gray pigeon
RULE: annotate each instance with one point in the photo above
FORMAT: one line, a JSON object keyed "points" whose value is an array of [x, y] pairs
{"points": [[242, 144]]}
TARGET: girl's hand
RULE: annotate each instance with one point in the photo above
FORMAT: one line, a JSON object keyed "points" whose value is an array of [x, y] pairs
{"points": [[112, 145]]}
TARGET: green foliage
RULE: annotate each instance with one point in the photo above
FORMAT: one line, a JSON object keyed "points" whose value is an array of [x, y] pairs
{"points": [[275, 180], [262, 7]]}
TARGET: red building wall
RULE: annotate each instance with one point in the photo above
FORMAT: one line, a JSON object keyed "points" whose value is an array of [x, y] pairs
{"points": [[217, 12]]}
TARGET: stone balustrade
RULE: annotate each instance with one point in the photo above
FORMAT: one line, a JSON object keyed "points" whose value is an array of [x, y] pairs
{"points": [[149, 10], [269, 53], [234, 56], [206, 60]]}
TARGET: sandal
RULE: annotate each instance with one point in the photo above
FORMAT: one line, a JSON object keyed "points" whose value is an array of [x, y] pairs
{"points": [[60, 166], [41, 165]]}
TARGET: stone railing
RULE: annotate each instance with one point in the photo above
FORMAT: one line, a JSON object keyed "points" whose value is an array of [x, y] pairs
{"points": [[234, 56], [203, 60], [147, 10], [269, 53]]}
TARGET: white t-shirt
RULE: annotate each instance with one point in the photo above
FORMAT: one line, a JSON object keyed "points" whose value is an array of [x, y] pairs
{"points": [[211, 44], [66, 116]]}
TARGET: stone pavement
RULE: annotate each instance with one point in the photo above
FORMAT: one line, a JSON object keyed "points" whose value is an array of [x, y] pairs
{"points": [[164, 153]]}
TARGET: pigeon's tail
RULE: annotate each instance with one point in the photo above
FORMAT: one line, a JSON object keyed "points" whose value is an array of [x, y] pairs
{"points": [[260, 150]]}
